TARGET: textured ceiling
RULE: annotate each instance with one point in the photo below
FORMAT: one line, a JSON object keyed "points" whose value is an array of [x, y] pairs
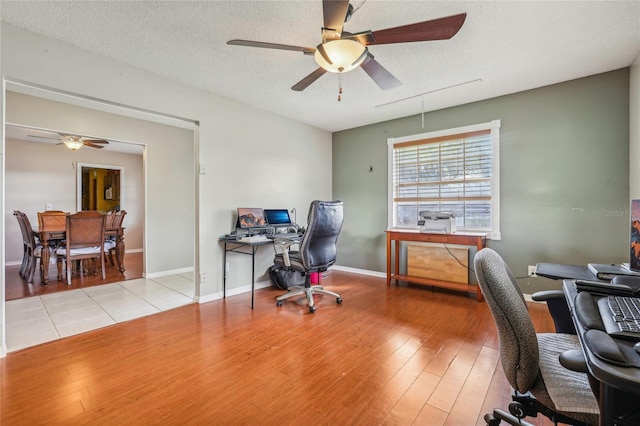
{"points": [[503, 47]]}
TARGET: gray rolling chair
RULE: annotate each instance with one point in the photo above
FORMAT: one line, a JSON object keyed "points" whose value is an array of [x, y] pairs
{"points": [[532, 361], [317, 251]]}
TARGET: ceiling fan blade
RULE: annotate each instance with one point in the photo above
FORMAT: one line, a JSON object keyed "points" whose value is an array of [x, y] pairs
{"points": [[383, 78], [436, 29], [92, 145], [364, 37], [334, 13], [96, 141], [264, 45], [306, 82]]}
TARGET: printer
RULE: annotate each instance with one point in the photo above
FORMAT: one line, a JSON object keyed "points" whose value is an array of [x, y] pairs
{"points": [[437, 222]]}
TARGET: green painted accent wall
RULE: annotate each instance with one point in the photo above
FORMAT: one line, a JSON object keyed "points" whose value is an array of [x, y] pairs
{"points": [[564, 165]]}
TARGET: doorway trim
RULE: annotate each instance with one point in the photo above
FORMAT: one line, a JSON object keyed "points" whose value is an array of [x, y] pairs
{"points": [[34, 89]]}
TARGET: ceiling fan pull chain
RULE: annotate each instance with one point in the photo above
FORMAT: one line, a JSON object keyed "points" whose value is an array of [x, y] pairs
{"points": [[339, 87]]}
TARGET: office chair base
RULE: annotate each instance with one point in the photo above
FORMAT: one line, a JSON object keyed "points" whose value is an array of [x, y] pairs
{"points": [[523, 405], [494, 418], [308, 292]]}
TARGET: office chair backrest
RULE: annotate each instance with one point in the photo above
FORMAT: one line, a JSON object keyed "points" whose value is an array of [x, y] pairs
{"points": [[318, 246], [518, 342]]}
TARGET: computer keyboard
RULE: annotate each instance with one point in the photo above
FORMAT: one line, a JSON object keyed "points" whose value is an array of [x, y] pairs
{"points": [[287, 235], [625, 315]]}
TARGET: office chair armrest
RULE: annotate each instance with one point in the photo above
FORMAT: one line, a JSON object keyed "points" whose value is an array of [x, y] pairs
{"points": [[544, 295], [558, 308]]}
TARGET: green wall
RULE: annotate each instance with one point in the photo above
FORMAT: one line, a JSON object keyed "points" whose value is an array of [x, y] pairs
{"points": [[564, 153]]}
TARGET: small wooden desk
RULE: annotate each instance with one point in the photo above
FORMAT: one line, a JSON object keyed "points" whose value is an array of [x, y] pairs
{"points": [[50, 237], [479, 240]]}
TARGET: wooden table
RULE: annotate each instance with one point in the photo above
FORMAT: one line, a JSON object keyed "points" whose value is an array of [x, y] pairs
{"points": [[50, 237], [479, 240]]}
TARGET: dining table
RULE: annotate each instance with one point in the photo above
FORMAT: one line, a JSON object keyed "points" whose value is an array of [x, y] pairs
{"points": [[51, 237]]}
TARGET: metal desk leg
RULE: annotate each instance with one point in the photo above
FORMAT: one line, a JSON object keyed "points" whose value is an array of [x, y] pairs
{"points": [[224, 272], [253, 271]]}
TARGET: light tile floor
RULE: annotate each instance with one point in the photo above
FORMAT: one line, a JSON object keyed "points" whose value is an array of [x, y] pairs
{"points": [[35, 320]]}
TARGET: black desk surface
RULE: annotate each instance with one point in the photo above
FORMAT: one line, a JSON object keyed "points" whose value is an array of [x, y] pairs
{"points": [[556, 271], [627, 378], [619, 386]]}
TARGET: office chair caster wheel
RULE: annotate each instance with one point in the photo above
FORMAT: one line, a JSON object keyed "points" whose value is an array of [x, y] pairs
{"points": [[278, 303], [312, 309], [339, 300], [490, 420], [517, 409]]}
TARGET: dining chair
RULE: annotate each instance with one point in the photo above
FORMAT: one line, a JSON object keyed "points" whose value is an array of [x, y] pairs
{"points": [[114, 221], [32, 249], [84, 239], [25, 255]]}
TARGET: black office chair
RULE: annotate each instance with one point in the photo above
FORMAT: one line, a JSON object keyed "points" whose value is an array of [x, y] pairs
{"points": [[530, 360], [317, 251]]}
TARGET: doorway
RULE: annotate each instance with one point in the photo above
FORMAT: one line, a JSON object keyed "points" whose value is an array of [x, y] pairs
{"points": [[100, 187]]}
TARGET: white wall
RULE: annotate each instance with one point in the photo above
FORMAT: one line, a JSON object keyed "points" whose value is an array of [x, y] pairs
{"points": [[39, 173], [634, 130], [252, 157]]}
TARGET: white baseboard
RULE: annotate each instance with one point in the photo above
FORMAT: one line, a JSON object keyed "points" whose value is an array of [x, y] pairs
{"points": [[232, 292], [264, 284], [360, 271], [169, 272]]}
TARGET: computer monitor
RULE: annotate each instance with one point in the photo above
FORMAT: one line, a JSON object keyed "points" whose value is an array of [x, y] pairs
{"points": [[634, 237], [251, 218], [278, 217]]}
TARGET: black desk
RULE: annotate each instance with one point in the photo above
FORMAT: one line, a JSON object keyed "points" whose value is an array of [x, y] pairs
{"points": [[241, 247], [619, 386], [249, 248]]}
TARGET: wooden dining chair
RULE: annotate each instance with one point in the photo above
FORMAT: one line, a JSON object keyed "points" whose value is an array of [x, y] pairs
{"points": [[114, 221], [84, 232], [32, 249], [52, 220]]}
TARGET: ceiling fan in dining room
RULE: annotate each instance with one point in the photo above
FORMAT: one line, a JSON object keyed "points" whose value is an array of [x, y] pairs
{"points": [[75, 142], [341, 51]]}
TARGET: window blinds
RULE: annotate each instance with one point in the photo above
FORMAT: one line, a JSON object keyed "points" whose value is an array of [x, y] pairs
{"points": [[451, 173]]}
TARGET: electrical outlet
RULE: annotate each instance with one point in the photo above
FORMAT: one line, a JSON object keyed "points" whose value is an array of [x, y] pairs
{"points": [[203, 277], [531, 271]]}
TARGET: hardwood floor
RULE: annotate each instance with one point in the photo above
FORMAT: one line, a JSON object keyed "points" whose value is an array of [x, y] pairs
{"points": [[397, 356], [18, 288]]}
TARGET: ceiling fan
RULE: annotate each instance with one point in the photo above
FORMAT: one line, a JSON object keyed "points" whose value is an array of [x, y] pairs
{"points": [[341, 51], [75, 142]]}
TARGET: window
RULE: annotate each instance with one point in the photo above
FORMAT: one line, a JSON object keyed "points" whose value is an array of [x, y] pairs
{"points": [[455, 170]]}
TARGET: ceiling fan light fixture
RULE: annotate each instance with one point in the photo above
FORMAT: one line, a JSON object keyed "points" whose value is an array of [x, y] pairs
{"points": [[72, 144], [339, 56]]}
